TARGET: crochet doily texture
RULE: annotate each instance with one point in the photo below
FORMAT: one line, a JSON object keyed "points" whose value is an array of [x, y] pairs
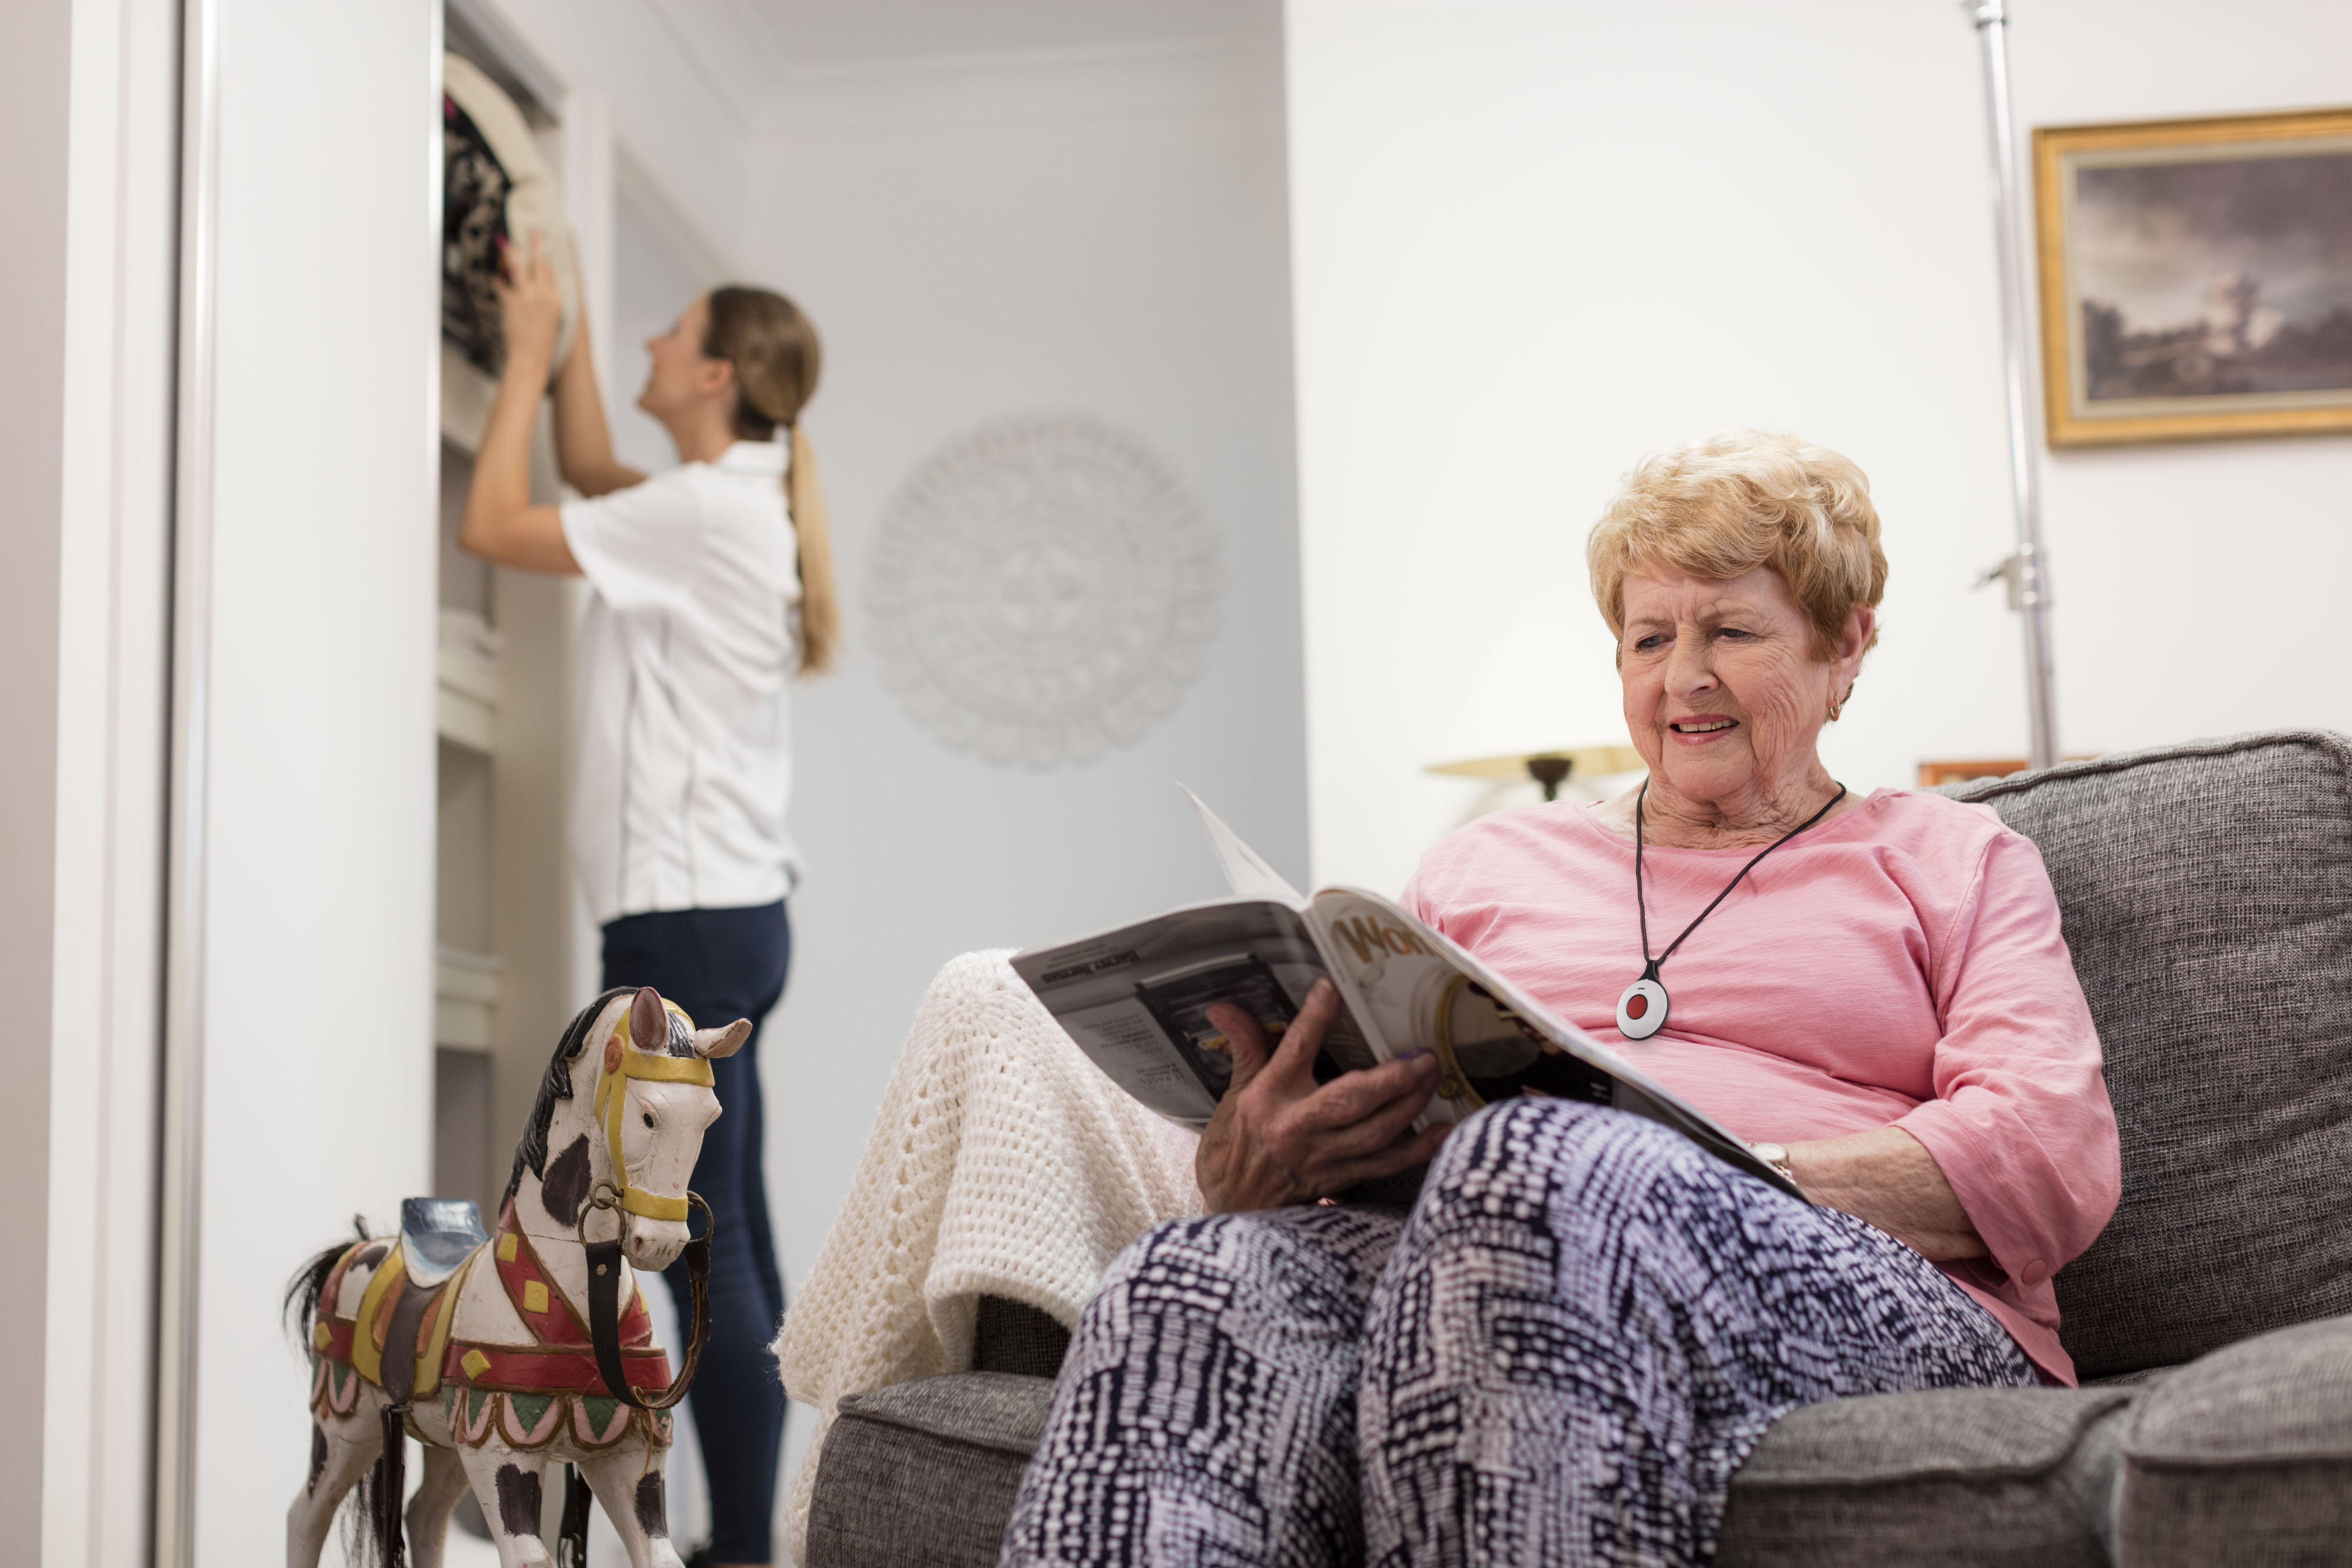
{"points": [[1041, 590]]}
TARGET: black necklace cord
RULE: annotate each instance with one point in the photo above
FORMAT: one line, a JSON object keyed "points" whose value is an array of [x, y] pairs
{"points": [[1641, 902]]}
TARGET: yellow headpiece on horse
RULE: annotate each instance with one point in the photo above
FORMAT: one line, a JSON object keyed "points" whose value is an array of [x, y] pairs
{"points": [[651, 1063]]}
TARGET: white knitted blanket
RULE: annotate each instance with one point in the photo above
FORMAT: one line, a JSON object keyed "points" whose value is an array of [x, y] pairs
{"points": [[1001, 1162]]}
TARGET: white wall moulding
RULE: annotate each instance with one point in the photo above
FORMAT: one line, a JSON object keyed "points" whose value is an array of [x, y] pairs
{"points": [[1119, 83], [823, 33], [180, 1220], [1041, 590]]}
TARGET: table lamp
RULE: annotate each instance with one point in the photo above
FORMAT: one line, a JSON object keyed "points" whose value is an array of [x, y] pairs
{"points": [[1549, 767], [1545, 705]]}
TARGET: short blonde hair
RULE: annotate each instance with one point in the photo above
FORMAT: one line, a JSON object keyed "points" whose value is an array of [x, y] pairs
{"points": [[1733, 502]]}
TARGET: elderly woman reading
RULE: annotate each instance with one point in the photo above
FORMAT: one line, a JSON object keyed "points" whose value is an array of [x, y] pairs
{"points": [[1585, 1323]]}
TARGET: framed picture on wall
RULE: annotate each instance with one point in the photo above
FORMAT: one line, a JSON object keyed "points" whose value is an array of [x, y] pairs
{"points": [[2196, 277]]}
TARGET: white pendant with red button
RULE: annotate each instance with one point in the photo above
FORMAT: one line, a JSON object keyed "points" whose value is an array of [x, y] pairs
{"points": [[1641, 1011]]}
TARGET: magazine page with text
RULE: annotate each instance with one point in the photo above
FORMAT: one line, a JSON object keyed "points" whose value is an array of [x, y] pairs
{"points": [[1136, 999]]}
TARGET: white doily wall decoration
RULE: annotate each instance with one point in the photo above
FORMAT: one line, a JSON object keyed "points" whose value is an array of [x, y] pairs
{"points": [[1041, 590]]}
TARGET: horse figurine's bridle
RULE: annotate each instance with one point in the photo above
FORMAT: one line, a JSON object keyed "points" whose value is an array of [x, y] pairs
{"points": [[622, 1195], [647, 1066]]}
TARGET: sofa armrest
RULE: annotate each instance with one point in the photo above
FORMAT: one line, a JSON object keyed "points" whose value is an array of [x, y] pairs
{"points": [[2244, 1455], [923, 1474], [1962, 1476]]}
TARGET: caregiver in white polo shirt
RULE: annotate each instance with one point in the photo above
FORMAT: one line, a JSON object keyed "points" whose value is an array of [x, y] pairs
{"points": [[712, 589]]}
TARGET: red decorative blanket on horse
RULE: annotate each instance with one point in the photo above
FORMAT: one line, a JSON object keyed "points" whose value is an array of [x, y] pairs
{"points": [[524, 1391]]}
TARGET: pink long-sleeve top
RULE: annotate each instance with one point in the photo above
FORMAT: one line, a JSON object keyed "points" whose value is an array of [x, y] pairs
{"points": [[1900, 963]]}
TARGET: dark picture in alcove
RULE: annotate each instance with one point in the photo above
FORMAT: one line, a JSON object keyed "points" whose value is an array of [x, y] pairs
{"points": [[2198, 279]]}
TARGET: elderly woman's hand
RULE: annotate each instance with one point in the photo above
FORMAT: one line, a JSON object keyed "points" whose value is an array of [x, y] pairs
{"points": [[1278, 1137], [1886, 1177], [531, 308]]}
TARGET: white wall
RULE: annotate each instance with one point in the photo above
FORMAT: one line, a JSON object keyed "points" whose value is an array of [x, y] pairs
{"points": [[2198, 582], [1533, 241], [1100, 231], [318, 915], [656, 271]]}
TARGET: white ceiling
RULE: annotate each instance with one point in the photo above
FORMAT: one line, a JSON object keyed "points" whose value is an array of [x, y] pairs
{"points": [[746, 51], [815, 33]]}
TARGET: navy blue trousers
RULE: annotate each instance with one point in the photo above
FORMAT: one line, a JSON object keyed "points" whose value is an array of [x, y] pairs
{"points": [[721, 965]]}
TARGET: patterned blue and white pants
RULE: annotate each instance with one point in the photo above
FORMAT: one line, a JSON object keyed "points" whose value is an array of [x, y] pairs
{"points": [[1559, 1357]]}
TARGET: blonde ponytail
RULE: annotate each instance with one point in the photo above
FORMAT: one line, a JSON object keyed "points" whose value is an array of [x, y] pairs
{"points": [[820, 610], [777, 357]]}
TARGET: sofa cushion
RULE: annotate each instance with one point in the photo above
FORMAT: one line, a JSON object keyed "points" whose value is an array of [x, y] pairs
{"points": [[2244, 1457], [1973, 1476], [2206, 893], [923, 1474]]}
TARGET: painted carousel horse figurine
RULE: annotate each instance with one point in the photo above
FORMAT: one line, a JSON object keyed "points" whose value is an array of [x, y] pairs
{"points": [[504, 1354]]}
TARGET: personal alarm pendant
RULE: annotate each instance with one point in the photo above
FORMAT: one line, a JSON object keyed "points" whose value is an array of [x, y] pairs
{"points": [[1642, 1008]]}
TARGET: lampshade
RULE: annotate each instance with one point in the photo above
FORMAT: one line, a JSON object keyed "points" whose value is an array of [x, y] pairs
{"points": [[1584, 761], [1545, 688]]}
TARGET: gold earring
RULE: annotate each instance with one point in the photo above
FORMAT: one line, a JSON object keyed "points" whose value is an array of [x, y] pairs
{"points": [[1834, 706]]}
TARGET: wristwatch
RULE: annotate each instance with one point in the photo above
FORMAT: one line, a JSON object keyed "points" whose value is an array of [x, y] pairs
{"points": [[1774, 1155]]}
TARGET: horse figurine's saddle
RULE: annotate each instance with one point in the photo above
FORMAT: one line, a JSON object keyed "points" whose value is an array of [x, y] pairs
{"points": [[437, 1236], [396, 1336]]}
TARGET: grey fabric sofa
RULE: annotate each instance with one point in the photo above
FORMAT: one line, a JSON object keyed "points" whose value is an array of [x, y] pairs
{"points": [[2207, 891]]}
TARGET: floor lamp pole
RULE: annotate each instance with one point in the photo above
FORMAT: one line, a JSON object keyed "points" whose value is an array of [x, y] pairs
{"points": [[2027, 571]]}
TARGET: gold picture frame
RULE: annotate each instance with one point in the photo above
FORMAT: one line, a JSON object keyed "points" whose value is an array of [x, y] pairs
{"points": [[2133, 217]]}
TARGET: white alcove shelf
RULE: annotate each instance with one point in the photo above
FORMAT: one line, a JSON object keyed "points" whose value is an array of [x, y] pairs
{"points": [[465, 998], [466, 701], [465, 396]]}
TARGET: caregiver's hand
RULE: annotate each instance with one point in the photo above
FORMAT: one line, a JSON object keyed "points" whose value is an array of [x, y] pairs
{"points": [[1279, 1137], [531, 307]]}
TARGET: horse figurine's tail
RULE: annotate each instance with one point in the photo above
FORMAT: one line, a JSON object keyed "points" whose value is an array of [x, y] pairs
{"points": [[379, 1537], [301, 1306]]}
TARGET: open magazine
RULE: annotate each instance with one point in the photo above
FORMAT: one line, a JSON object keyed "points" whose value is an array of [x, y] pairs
{"points": [[1136, 1000]]}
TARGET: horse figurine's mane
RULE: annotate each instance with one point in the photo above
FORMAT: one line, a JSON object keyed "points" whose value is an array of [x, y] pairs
{"points": [[556, 1084]]}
